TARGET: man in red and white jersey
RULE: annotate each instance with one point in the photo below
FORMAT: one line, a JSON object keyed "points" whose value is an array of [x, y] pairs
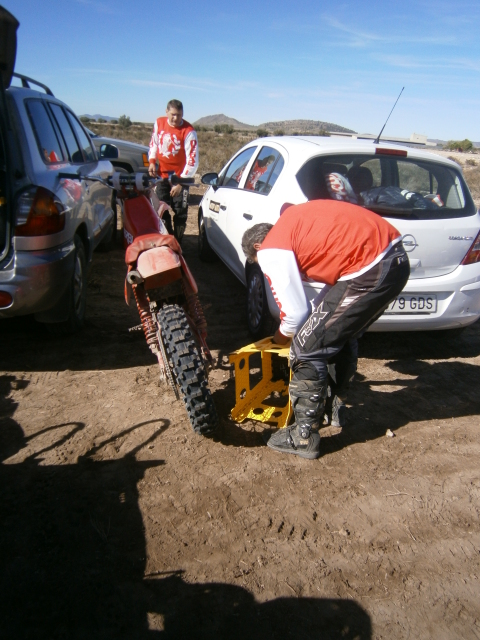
{"points": [[360, 258], [174, 145]]}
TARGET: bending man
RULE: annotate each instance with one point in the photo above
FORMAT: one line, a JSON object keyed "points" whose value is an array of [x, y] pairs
{"points": [[361, 259], [174, 146]]}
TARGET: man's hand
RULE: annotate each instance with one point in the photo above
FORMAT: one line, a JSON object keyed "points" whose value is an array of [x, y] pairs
{"points": [[279, 338], [176, 190], [152, 170]]}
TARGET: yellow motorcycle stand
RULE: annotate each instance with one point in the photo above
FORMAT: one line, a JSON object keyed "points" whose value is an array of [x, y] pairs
{"points": [[257, 396]]}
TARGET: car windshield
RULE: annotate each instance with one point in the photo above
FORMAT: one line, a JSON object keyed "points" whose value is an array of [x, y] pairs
{"points": [[391, 185]]}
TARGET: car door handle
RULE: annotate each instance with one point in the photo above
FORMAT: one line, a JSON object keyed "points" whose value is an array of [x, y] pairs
{"points": [[247, 216], [223, 207]]}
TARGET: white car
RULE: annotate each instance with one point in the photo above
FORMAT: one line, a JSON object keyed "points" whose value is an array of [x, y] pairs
{"points": [[423, 195]]}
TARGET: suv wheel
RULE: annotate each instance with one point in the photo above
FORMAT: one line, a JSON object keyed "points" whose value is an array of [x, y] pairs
{"points": [[77, 294], [260, 322]]}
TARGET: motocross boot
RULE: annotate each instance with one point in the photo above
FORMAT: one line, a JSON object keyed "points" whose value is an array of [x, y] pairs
{"points": [[178, 232], [302, 438]]}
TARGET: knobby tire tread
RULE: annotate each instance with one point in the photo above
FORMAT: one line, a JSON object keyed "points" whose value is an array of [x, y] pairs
{"points": [[188, 368]]}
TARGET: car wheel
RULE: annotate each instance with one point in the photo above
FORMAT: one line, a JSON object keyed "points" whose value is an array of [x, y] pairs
{"points": [[77, 294], [110, 239], [205, 251], [260, 322]]}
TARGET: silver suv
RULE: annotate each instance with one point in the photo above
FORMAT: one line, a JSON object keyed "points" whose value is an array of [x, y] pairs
{"points": [[49, 225]]}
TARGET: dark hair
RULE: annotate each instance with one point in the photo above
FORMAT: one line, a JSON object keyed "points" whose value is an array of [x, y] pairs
{"points": [[254, 235], [175, 104]]}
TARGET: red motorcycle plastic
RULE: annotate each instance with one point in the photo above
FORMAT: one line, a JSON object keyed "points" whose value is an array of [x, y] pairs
{"points": [[166, 295]]}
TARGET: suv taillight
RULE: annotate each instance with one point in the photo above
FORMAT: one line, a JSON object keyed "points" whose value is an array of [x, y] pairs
{"points": [[473, 254], [39, 213]]}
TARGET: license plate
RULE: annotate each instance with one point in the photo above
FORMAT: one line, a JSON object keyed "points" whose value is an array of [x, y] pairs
{"points": [[408, 303]]}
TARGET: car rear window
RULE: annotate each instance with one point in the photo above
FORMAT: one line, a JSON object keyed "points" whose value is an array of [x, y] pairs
{"points": [[394, 186], [47, 140]]}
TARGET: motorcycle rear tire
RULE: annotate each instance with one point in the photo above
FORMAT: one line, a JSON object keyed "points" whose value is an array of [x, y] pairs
{"points": [[188, 369]]}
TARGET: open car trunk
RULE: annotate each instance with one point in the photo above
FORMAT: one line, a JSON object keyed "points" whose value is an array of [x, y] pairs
{"points": [[8, 49]]}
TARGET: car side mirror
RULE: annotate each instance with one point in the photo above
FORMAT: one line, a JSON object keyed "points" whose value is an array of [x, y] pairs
{"points": [[108, 151], [211, 179]]}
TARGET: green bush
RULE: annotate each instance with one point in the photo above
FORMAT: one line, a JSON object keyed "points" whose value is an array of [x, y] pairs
{"points": [[124, 122], [262, 133], [85, 119], [102, 120], [223, 128], [113, 121], [279, 132], [459, 145], [324, 133]]}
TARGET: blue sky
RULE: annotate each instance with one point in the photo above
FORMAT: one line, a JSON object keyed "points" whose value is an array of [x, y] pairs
{"points": [[261, 61]]}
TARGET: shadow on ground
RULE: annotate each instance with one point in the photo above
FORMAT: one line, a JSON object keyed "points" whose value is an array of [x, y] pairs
{"points": [[72, 560]]}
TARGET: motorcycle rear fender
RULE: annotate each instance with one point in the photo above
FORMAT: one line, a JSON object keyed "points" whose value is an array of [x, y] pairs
{"points": [[159, 266], [188, 275], [139, 217]]}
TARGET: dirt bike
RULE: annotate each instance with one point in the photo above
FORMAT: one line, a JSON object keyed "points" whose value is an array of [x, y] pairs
{"points": [[166, 295]]}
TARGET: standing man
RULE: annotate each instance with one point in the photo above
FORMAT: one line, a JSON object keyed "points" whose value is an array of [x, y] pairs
{"points": [[174, 146], [361, 259]]}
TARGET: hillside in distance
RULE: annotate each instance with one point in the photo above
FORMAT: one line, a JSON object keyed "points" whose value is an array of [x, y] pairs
{"points": [[220, 118], [287, 126], [303, 126]]}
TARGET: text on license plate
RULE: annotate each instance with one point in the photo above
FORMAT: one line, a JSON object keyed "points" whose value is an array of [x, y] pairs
{"points": [[413, 304]]}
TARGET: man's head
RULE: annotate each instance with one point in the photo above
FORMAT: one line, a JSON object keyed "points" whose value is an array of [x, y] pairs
{"points": [[253, 238], [174, 113]]}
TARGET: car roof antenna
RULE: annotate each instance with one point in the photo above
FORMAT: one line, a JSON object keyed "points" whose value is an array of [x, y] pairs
{"points": [[377, 139]]}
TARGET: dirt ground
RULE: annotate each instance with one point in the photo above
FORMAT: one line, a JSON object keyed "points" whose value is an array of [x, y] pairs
{"points": [[118, 522]]}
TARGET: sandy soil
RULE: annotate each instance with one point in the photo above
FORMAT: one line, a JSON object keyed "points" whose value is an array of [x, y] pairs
{"points": [[118, 522]]}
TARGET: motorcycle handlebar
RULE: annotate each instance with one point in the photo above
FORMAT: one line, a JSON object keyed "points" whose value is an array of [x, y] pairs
{"points": [[129, 179]]}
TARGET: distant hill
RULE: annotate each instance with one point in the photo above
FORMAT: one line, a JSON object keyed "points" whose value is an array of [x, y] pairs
{"points": [[220, 118], [97, 116], [303, 126], [287, 126]]}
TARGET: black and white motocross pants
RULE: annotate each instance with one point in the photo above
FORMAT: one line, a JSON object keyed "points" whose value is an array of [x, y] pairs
{"points": [[179, 204], [344, 314]]}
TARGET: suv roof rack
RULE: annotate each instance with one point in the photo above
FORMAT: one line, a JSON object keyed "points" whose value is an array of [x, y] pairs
{"points": [[25, 83]]}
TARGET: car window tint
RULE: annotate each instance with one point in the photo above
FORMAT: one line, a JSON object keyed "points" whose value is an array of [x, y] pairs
{"points": [[393, 186], [67, 133], [82, 137], [276, 171], [234, 172], [47, 140], [261, 170], [414, 177]]}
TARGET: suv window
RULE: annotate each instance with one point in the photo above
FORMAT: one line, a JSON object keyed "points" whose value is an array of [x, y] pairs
{"points": [[390, 185], [265, 171], [82, 137], [48, 143], [67, 133], [235, 169]]}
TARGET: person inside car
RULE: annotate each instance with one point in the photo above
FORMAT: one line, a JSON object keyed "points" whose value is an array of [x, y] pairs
{"points": [[361, 259], [174, 145]]}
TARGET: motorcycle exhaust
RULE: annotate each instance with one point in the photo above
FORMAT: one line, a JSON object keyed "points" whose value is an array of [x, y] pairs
{"points": [[134, 277]]}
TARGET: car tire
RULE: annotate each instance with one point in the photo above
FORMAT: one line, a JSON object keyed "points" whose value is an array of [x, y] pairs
{"points": [[77, 294], [259, 321], [110, 240], [205, 251]]}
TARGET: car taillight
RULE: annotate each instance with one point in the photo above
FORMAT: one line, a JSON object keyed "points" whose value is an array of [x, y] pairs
{"points": [[145, 160], [473, 254], [5, 299], [39, 213]]}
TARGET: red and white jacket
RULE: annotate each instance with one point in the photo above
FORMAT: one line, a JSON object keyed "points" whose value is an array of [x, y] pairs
{"points": [[320, 241], [175, 148]]}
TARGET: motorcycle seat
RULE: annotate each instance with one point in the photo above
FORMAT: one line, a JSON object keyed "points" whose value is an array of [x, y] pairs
{"points": [[149, 241]]}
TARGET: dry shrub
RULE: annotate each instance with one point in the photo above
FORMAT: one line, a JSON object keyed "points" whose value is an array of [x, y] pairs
{"points": [[215, 150], [472, 176]]}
